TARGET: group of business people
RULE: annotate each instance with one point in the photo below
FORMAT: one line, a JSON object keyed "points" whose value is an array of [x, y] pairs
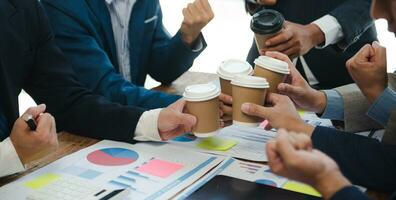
{"points": [[87, 60], [332, 160]]}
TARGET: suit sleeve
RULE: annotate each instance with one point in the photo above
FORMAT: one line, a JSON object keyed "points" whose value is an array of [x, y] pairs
{"points": [[364, 161], [94, 68], [349, 193], [53, 82], [170, 57], [356, 107], [390, 132], [354, 18]]}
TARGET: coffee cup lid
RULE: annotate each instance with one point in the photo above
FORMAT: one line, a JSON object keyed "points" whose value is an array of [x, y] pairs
{"points": [[229, 68], [201, 92], [267, 21], [250, 81], [272, 64]]}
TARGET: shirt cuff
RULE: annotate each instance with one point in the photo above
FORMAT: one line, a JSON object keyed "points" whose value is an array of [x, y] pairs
{"points": [[382, 108], [335, 106], [147, 127], [331, 29], [9, 159], [198, 44]]}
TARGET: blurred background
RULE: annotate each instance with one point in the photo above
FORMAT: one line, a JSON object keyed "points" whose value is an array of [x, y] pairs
{"points": [[228, 36]]}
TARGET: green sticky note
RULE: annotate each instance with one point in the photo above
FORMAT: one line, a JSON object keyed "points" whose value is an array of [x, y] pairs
{"points": [[216, 144], [301, 188], [41, 181]]}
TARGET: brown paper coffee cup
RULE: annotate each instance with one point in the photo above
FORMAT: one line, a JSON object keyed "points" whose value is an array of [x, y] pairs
{"points": [[208, 118], [273, 78], [230, 68], [261, 39], [203, 103], [226, 86], [249, 90], [273, 70], [265, 24]]}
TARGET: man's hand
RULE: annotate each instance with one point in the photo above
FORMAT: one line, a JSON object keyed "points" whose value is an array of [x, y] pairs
{"points": [[291, 155], [368, 70], [226, 107], [267, 2], [295, 39], [196, 16], [281, 113], [31, 145], [172, 122], [298, 89]]}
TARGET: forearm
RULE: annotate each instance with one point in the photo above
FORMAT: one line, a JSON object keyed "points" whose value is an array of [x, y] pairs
{"points": [[362, 160], [171, 58]]}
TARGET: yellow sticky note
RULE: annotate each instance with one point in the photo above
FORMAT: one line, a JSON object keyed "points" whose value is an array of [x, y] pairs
{"points": [[217, 144], [301, 112], [301, 188], [41, 181]]}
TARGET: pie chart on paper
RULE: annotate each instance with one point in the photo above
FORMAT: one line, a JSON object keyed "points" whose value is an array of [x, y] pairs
{"points": [[113, 157]]}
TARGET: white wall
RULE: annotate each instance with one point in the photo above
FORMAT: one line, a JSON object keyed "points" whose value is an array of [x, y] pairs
{"points": [[229, 35]]}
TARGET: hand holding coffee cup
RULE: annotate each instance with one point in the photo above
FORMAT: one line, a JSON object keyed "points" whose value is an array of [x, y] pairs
{"points": [[173, 122], [203, 103], [226, 72], [266, 24], [250, 89], [273, 70], [298, 89], [294, 39]]}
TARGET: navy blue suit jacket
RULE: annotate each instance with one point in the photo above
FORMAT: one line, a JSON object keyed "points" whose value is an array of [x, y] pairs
{"points": [[84, 32], [364, 161], [30, 60], [328, 65]]}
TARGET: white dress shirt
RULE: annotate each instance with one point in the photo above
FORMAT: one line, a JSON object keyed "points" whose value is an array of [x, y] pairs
{"points": [[9, 159], [331, 29], [120, 14], [333, 34]]}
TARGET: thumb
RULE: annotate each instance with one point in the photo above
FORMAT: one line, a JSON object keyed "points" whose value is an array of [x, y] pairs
{"points": [[256, 110], [290, 90], [284, 146], [36, 111], [365, 53]]}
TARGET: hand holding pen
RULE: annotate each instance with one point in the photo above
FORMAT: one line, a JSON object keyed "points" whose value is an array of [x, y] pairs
{"points": [[34, 134]]}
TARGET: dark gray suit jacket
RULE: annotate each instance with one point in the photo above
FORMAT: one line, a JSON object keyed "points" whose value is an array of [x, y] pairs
{"points": [[328, 65]]}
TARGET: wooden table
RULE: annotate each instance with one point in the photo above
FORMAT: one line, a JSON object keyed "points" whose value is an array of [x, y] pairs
{"points": [[69, 143]]}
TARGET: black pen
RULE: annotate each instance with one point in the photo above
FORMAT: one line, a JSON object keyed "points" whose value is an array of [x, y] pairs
{"points": [[31, 122]]}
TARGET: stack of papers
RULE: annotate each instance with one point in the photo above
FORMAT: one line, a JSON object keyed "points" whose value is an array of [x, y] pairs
{"points": [[166, 170], [148, 172]]}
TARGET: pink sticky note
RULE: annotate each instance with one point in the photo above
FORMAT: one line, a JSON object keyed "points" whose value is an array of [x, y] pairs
{"points": [[160, 168], [264, 124]]}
